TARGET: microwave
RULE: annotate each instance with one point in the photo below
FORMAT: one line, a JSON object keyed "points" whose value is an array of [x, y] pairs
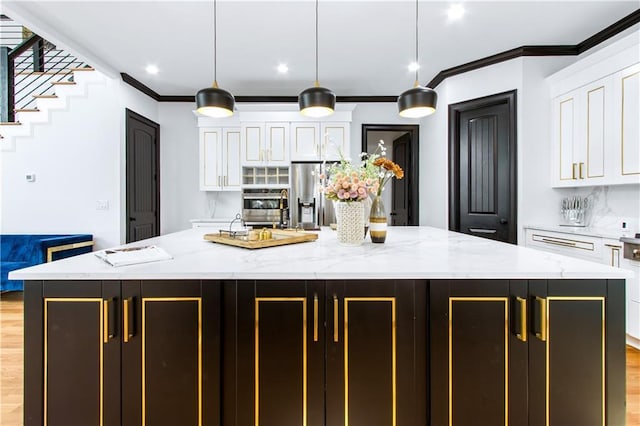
{"points": [[265, 207]]}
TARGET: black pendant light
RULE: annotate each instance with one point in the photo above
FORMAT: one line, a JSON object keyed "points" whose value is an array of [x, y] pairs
{"points": [[214, 101], [316, 101], [419, 101]]}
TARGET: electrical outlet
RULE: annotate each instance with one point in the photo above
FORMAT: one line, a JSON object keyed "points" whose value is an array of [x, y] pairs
{"points": [[31, 177], [102, 205]]}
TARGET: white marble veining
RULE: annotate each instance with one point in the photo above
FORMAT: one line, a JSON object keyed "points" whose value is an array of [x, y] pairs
{"points": [[409, 253]]}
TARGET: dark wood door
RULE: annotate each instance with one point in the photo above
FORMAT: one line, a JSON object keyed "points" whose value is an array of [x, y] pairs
{"points": [[81, 363], [376, 371], [570, 360], [143, 182], [411, 166], [280, 354], [400, 197], [483, 168], [170, 353], [478, 353]]}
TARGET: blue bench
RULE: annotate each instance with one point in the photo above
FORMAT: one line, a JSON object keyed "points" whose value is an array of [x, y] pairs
{"points": [[19, 251]]}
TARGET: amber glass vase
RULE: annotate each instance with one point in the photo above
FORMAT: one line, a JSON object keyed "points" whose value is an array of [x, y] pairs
{"points": [[378, 221]]}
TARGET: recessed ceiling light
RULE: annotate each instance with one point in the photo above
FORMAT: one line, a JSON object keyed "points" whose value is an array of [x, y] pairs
{"points": [[414, 66], [283, 68], [455, 12], [152, 69]]}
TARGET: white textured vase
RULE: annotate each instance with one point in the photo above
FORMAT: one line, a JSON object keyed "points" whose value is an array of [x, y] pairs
{"points": [[350, 222]]}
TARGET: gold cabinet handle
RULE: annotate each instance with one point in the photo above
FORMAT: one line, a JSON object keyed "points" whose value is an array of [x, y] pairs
{"points": [[542, 334], [335, 319], [315, 317], [226, 180], [126, 303], [522, 335], [105, 321], [580, 166], [573, 170]]}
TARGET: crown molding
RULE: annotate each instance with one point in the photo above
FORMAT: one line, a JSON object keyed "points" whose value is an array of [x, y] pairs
{"points": [[543, 50]]}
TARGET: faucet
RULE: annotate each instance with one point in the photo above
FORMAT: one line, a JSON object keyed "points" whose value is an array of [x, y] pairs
{"points": [[283, 195]]}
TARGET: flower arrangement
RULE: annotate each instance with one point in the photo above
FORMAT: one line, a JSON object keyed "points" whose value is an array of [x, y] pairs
{"points": [[348, 182]]}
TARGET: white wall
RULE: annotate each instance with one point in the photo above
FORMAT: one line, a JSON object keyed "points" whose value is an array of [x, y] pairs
{"points": [[77, 160]]}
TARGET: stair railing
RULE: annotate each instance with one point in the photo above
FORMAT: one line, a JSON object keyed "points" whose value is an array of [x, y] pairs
{"points": [[25, 75]]}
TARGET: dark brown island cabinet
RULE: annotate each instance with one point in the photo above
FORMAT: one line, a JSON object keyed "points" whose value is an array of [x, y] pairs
{"points": [[316, 353]]}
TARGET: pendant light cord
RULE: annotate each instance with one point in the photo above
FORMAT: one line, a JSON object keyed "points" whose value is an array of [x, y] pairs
{"points": [[215, 47], [417, 64], [316, 82]]}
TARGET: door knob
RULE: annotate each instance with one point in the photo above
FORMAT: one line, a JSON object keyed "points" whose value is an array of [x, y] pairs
{"points": [[503, 221], [132, 219], [393, 214]]}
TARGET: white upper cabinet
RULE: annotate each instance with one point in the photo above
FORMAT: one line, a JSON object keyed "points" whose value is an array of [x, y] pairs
{"points": [[265, 143], [595, 121], [277, 143], [581, 123], [627, 125], [335, 140], [219, 159], [312, 141]]}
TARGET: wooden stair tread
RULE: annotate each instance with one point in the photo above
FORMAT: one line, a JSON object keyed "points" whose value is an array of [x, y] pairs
{"points": [[83, 69], [45, 96], [10, 123], [63, 83], [28, 110]]}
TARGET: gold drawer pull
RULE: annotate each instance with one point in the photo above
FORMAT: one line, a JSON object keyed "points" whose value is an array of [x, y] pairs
{"points": [[315, 317], [542, 334], [336, 338], [559, 243], [105, 321], [522, 335]]}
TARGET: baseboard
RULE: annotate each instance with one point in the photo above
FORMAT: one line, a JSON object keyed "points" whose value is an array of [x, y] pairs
{"points": [[633, 342]]}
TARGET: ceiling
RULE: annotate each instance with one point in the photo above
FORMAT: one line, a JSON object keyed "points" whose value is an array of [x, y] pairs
{"points": [[364, 46]]}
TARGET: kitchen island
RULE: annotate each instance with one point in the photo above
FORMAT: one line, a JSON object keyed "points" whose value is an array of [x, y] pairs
{"points": [[432, 327]]}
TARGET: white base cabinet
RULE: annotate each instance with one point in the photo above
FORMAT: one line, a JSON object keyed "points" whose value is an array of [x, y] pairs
{"points": [[220, 168]]}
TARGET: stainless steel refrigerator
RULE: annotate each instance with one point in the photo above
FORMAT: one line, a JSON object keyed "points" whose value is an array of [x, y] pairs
{"points": [[308, 207]]}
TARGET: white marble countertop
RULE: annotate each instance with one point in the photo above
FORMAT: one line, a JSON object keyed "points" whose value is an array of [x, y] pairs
{"points": [[577, 230], [409, 253]]}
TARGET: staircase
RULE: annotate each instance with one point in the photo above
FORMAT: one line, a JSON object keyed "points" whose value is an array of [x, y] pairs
{"points": [[44, 79]]}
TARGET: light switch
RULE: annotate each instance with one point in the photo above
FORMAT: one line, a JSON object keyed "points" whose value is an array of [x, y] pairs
{"points": [[31, 177], [102, 205]]}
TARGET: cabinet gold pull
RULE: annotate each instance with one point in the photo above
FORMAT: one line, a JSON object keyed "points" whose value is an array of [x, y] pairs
{"points": [[615, 257], [226, 180], [335, 318], [315, 317], [573, 170], [581, 165], [125, 320], [522, 335], [542, 334], [105, 321], [559, 243]]}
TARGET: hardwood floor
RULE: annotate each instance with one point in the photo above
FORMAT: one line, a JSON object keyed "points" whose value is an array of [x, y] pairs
{"points": [[11, 358], [11, 366]]}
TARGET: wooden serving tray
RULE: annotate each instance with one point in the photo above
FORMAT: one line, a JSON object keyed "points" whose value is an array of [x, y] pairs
{"points": [[281, 237]]}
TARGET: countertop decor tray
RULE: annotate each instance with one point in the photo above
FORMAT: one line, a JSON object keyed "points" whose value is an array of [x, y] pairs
{"points": [[280, 237]]}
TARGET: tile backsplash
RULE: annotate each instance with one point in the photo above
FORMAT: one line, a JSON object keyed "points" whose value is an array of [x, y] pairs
{"points": [[220, 204], [612, 205]]}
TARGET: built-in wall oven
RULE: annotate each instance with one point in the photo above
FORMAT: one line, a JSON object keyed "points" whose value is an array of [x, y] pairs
{"points": [[265, 207]]}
